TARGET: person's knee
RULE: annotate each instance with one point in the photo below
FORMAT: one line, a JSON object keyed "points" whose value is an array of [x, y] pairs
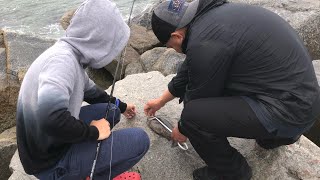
{"points": [[141, 139], [188, 120], [276, 142], [192, 115]]}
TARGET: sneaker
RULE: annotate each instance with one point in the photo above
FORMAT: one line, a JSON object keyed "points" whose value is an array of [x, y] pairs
{"points": [[244, 174], [128, 176], [204, 174]]}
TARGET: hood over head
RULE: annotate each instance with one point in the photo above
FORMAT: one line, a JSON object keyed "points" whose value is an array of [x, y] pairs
{"points": [[97, 32]]}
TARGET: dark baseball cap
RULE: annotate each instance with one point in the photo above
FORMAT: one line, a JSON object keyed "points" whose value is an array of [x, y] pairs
{"points": [[171, 15]]}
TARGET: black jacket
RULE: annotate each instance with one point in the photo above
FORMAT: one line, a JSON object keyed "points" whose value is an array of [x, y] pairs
{"points": [[242, 50]]}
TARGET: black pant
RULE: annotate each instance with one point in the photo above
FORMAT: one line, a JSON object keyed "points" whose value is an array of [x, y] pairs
{"points": [[208, 122]]}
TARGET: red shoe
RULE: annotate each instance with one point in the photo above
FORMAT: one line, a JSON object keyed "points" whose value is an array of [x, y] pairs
{"points": [[128, 176]]}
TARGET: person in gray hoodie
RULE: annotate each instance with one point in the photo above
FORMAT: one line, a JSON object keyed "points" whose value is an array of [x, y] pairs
{"points": [[56, 137]]}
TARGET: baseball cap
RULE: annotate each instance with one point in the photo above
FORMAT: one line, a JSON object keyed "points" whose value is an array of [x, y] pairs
{"points": [[171, 15]]}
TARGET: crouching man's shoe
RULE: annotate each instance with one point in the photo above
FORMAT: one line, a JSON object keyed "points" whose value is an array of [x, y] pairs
{"points": [[203, 173]]}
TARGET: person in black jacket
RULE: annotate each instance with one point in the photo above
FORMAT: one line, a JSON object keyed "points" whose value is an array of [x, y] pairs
{"points": [[246, 74]]}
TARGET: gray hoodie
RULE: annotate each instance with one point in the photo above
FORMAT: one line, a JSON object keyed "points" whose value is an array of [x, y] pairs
{"points": [[56, 84]]}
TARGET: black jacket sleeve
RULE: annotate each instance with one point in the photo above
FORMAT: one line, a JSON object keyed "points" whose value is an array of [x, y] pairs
{"points": [[208, 66], [97, 95], [67, 129], [177, 86]]}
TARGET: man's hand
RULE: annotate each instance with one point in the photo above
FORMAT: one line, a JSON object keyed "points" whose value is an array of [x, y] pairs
{"points": [[130, 111], [152, 106], [177, 136], [103, 127]]}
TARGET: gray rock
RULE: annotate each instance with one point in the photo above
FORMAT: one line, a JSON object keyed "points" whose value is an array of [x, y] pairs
{"points": [[22, 50], [316, 65], [3, 63], [130, 56], [65, 19], [8, 146], [298, 161], [144, 19], [169, 62], [9, 89], [7, 109], [150, 58], [313, 134], [3, 77], [17, 169], [142, 39], [1, 39], [302, 15], [165, 60], [134, 68], [100, 76], [162, 161]]}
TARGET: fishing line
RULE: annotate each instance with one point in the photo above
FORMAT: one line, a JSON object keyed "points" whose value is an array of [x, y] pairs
{"points": [[108, 106]]}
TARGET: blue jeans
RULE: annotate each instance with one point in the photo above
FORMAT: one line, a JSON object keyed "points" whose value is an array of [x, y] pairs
{"points": [[129, 146]]}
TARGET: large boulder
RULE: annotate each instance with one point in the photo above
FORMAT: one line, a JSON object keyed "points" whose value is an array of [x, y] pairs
{"points": [[313, 134], [144, 18], [101, 77], [3, 65], [162, 161], [134, 68], [130, 56], [22, 50], [302, 15], [316, 65], [8, 94], [8, 146], [66, 17], [17, 169], [142, 39], [1, 39], [165, 60]]}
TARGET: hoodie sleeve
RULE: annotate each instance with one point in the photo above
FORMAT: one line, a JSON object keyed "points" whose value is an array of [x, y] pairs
{"points": [[56, 82], [94, 94]]}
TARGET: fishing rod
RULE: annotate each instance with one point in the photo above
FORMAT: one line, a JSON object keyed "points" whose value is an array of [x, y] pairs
{"points": [[108, 106]]}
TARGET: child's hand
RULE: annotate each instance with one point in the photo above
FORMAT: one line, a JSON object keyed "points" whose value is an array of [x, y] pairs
{"points": [[130, 111]]}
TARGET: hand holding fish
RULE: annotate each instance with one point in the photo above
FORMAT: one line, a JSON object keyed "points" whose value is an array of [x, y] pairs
{"points": [[177, 136]]}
